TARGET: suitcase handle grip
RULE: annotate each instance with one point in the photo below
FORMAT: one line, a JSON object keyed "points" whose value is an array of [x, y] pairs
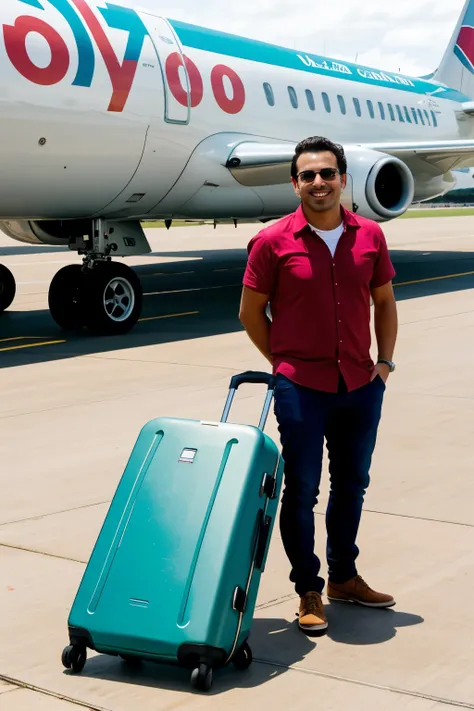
{"points": [[251, 376]]}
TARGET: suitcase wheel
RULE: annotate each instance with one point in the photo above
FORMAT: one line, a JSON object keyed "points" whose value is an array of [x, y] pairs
{"points": [[243, 658], [74, 657], [201, 678]]}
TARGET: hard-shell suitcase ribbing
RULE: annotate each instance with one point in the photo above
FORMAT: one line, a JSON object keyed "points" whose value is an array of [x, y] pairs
{"points": [[175, 571]]}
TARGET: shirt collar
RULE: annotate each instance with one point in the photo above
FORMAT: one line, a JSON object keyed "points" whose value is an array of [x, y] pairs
{"points": [[349, 219]]}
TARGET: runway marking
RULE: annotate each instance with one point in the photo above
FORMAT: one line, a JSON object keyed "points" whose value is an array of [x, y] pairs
{"points": [[31, 345], [438, 278], [157, 318], [184, 291], [23, 338]]}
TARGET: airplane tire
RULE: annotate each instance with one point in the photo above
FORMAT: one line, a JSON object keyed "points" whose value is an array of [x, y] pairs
{"points": [[7, 288], [114, 299], [66, 297]]}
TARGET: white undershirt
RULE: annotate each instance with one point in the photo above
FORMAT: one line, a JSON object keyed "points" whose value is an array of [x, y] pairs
{"points": [[331, 237]]}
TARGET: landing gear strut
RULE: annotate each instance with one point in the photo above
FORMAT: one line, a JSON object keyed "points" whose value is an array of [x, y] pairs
{"points": [[7, 288], [103, 296]]}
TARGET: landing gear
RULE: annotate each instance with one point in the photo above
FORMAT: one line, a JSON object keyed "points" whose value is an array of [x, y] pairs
{"points": [[103, 296], [66, 297], [7, 288]]}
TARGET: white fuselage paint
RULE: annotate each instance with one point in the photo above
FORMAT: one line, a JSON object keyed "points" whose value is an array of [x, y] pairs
{"points": [[96, 162]]}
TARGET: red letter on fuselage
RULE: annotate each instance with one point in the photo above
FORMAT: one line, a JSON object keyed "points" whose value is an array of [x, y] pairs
{"points": [[237, 103], [173, 64], [121, 75], [15, 45]]}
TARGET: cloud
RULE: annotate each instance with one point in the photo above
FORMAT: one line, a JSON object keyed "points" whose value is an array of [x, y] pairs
{"points": [[406, 36]]}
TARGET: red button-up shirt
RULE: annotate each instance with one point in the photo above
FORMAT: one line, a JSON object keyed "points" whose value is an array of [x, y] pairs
{"points": [[320, 304]]}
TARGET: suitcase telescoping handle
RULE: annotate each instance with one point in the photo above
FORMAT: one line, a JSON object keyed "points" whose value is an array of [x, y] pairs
{"points": [[251, 376]]}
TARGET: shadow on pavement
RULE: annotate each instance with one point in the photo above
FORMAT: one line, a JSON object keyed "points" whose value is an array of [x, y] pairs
{"points": [[160, 676], [356, 625], [210, 284]]}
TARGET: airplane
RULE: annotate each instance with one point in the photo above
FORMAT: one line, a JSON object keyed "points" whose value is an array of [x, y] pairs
{"points": [[463, 191], [112, 114]]}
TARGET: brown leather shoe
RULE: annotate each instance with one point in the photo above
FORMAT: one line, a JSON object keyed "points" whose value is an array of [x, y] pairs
{"points": [[311, 615], [357, 590]]}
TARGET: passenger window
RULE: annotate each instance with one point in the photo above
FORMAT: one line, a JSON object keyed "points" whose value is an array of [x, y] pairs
{"points": [[427, 117], [269, 94], [391, 112], [399, 112], [310, 100], [342, 104], [435, 120], [293, 97], [357, 107], [326, 102], [420, 114], [415, 115], [371, 108], [382, 111], [407, 115]]}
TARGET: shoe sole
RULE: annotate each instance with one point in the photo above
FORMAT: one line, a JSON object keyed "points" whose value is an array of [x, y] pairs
{"points": [[365, 604], [313, 630]]}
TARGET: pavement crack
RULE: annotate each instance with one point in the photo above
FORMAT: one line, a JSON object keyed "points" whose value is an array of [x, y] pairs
{"points": [[421, 518], [367, 684], [53, 513], [411, 516], [46, 692], [43, 553]]}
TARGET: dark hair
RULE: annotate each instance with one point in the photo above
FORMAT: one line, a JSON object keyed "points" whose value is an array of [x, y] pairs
{"points": [[316, 144]]}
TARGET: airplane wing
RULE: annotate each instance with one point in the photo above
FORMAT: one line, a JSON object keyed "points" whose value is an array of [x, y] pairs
{"points": [[255, 163]]}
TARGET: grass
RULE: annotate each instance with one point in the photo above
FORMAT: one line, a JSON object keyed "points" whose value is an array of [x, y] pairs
{"points": [[439, 212]]}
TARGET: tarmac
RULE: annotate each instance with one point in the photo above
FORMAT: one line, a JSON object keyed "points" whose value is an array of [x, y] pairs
{"points": [[72, 407]]}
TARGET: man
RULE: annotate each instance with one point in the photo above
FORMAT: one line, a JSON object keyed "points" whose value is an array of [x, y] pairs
{"points": [[319, 268]]}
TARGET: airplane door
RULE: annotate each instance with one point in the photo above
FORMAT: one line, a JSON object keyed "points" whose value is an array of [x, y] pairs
{"points": [[173, 69]]}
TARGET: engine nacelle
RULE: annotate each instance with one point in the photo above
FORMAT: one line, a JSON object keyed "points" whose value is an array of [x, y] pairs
{"points": [[382, 186], [124, 239], [48, 232]]}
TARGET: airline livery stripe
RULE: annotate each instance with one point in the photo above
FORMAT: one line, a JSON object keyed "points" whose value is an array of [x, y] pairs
{"points": [[234, 46]]}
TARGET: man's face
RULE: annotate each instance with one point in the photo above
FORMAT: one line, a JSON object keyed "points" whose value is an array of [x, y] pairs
{"points": [[318, 194]]}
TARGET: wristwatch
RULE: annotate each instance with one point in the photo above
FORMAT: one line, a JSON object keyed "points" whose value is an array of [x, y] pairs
{"points": [[390, 363]]}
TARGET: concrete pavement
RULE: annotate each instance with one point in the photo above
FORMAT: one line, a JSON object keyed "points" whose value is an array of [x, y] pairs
{"points": [[70, 414]]}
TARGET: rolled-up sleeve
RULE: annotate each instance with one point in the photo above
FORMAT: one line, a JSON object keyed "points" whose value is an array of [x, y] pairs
{"points": [[260, 272], [384, 270]]}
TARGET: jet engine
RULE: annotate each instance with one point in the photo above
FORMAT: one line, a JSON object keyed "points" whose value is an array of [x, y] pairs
{"points": [[380, 187], [51, 232]]}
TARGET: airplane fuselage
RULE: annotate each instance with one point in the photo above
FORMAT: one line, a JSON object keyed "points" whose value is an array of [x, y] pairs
{"points": [[95, 117]]}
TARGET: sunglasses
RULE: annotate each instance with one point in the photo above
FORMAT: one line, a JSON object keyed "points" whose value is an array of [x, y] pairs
{"points": [[308, 176]]}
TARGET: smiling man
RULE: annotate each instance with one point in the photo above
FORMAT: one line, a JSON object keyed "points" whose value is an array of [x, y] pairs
{"points": [[319, 268]]}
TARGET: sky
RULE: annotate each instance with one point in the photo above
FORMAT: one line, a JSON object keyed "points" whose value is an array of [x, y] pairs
{"points": [[405, 36]]}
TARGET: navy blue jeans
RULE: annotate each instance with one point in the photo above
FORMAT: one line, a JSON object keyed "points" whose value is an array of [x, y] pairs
{"points": [[349, 423]]}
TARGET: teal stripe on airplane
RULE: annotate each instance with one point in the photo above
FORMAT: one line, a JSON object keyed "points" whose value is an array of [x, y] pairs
{"points": [[255, 51]]}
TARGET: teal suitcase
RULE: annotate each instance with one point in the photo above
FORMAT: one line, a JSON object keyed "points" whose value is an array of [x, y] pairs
{"points": [[175, 571]]}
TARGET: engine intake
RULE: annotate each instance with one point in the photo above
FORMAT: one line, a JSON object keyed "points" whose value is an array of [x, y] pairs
{"points": [[383, 186]]}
